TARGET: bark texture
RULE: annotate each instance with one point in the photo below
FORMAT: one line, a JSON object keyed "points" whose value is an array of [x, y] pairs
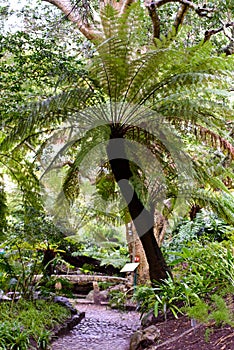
{"points": [[143, 218]]}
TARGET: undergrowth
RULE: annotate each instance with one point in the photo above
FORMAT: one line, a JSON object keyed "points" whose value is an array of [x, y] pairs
{"points": [[28, 325]]}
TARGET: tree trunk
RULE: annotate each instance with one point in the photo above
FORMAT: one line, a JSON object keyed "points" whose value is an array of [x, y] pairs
{"points": [[80, 260], [136, 251], [143, 218]]}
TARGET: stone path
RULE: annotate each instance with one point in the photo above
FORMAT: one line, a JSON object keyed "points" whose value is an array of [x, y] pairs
{"points": [[101, 329]]}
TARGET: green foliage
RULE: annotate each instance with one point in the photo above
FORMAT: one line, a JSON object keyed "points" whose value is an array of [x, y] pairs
{"points": [[48, 286], [117, 299], [207, 268], [110, 253], [199, 311], [206, 227], [23, 321], [149, 96], [3, 210], [126, 87], [146, 298], [12, 336], [23, 251], [202, 277], [31, 68], [168, 296], [220, 313], [105, 285], [216, 311]]}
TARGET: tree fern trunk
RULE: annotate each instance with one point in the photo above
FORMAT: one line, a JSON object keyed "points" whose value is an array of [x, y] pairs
{"points": [[143, 218]]}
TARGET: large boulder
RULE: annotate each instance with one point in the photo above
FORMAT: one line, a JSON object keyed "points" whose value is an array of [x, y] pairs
{"points": [[145, 338]]}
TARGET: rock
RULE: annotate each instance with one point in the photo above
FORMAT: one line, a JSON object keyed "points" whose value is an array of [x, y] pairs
{"points": [[89, 296], [148, 319], [120, 287], [68, 325], [13, 295], [97, 296], [64, 301], [144, 338]]}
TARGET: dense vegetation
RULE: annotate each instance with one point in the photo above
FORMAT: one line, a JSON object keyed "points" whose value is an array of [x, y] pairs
{"points": [[154, 83]]}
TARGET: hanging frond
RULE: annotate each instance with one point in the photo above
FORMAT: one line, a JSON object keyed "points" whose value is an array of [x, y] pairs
{"points": [[22, 173], [3, 209]]}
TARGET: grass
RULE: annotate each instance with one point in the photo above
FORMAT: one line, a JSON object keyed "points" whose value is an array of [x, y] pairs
{"points": [[28, 325]]}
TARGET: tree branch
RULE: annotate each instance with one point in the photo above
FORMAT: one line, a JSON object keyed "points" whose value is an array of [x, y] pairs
{"points": [[211, 32], [180, 16], [125, 5], [155, 19], [201, 11], [229, 49], [74, 16]]}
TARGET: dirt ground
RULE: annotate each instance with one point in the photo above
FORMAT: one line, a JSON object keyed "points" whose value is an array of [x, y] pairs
{"points": [[180, 335], [107, 329]]}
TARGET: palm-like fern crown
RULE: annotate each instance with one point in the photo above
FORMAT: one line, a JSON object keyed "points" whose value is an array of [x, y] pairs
{"points": [[146, 95]]}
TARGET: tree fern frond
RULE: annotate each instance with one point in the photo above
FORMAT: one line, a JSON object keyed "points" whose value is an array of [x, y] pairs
{"points": [[71, 185], [214, 139], [219, 203], [46, 113], [3, 209], [22, 172]]}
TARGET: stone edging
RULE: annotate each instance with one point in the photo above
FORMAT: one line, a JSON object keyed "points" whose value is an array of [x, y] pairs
{"points": [[68, 325]]}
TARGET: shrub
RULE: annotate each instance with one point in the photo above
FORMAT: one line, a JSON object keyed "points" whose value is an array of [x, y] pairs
{"points": [[205, 269]]}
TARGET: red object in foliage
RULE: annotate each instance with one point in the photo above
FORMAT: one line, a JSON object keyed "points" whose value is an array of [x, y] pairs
{"points": [[137, 259]]}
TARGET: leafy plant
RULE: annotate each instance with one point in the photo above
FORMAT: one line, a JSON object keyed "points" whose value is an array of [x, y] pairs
{"points": [[145, 297], [12, 336], [43, 339], [205, 269], [200, 273], [117, 299], [168, 297], [215, 310], [206, 227], [110, 253]]}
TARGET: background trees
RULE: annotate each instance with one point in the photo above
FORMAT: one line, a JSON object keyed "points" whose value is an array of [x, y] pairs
{"points": [[202, 20]]}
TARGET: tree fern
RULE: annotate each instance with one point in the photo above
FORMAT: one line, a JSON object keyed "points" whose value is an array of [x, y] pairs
{"points": [[136, 98]]}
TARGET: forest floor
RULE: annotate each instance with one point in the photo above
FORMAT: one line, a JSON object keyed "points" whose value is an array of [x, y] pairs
{"points": [[178, 334], [107, 329]]}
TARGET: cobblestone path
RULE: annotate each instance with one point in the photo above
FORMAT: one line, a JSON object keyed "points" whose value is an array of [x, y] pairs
{"points": [[101, 329]]}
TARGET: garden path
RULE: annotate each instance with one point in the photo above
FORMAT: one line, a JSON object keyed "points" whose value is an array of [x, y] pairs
{"points": [[101, 329]]}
